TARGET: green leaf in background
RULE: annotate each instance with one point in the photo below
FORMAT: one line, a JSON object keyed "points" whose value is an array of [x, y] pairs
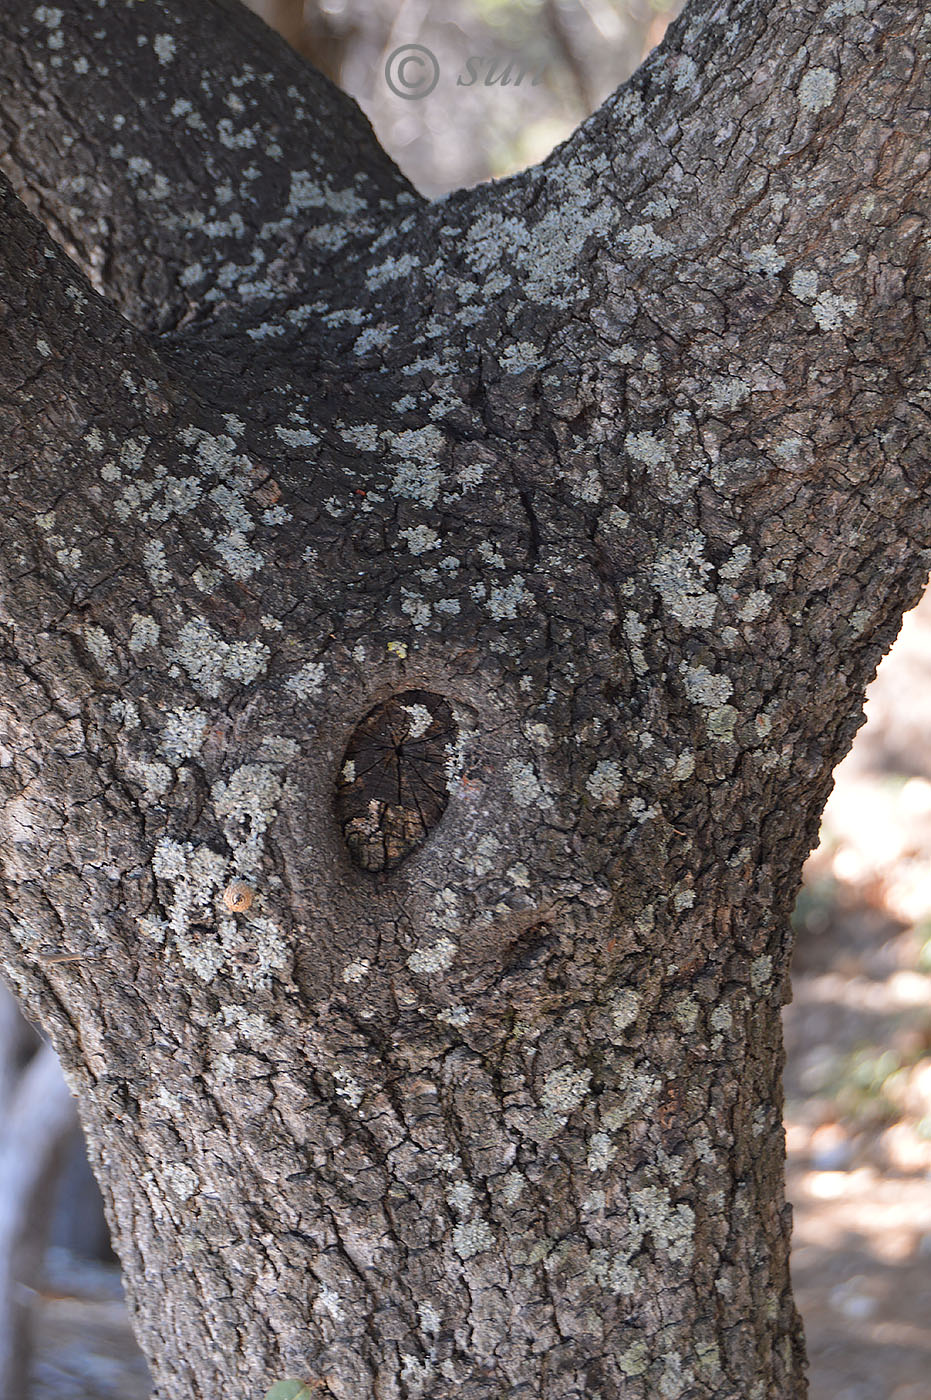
{"points": [[293, 1390]]}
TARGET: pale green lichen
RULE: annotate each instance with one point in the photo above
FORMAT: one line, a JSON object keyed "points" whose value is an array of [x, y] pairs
{"points": [[546, 255], [419, 720], [605, 782], [471, 1237], [204, 945], [642, 241], [143, 633], [196, 874], [625, 1008], [764, 259], [420, 539], [520, 356], [308, 681], [686, 1013], [181, 1180], [100, 648], [153, 559], [804, 284], [374, 338], [362, 435], [416, 476], [461, 1197], [297, 437], [454, 1016], [635, 1359], [564, 1089], [829, 309], [347, 1088], [678, 576], [125, 713], [704, 687], [721, 1019], [416, 608], [637, 1089], [720, 723], [755, 605], [430, 1319], [635, 631], [156, 778], [484, 854], [725, 393], [672, 1227], [504, 601], [601, 1152], [683, 766], [183, 734], [436, 958], [526, 788], [539, 734], [328, 1301], [247, 807], [817, 88], [164, 46], [646, 447], [590, 489], [238, 557], [209, 660], [512, 1186]]}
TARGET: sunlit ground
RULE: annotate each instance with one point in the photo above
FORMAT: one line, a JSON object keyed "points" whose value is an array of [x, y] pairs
{"points": [[858, 1079]]}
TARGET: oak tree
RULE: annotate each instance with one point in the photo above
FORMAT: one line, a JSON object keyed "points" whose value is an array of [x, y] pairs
{"points": [[428, 630]]}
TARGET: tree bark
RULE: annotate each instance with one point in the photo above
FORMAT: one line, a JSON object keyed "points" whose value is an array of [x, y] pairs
{"points": [[423, 668]]}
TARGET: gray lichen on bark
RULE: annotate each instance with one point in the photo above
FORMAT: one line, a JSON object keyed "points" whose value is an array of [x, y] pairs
{"points": [[626, 458]]}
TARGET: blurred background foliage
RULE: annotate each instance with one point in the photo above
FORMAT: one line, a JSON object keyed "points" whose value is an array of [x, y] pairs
{"points": [[460, 135]]}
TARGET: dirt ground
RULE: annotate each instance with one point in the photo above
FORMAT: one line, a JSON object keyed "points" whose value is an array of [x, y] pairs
{"points": [[858, 1037], [858, 1088]]}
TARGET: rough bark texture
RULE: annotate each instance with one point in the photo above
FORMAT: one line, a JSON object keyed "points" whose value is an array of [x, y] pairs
{"points": [[627, 460]]}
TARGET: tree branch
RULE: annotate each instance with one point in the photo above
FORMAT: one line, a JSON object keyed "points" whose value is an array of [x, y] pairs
{"points": [[207, 164], [713, 296]]}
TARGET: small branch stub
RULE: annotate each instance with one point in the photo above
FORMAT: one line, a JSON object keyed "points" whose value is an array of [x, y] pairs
{"points": [[393, 784], [238, 897]]}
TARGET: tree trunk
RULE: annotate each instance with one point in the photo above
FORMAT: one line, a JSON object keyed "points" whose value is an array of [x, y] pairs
{"points": [[428, 633]]}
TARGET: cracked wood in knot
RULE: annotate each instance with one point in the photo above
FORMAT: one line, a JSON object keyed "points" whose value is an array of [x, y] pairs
{"points": [[393, 784]]}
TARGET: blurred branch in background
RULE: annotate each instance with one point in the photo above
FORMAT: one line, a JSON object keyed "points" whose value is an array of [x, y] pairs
{"points": [[37, 1117], [487, 127]]}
